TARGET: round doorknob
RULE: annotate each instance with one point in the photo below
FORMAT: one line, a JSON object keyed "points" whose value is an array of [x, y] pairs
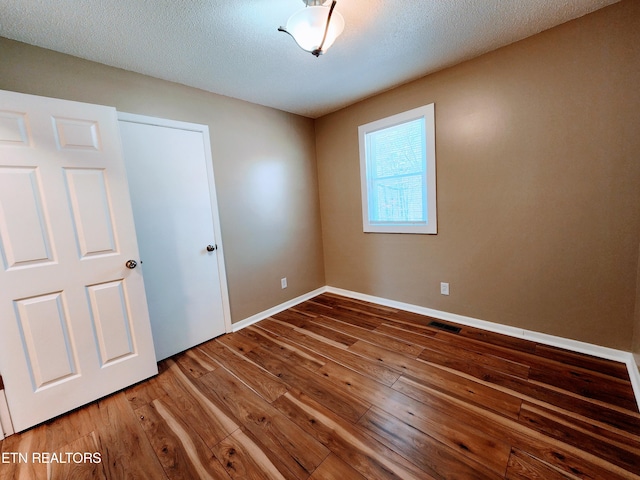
{"points": [[131, 264], [211, 248]]}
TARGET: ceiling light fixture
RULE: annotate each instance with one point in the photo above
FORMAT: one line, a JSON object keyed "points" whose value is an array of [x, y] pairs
{"points": [[315, 27]]}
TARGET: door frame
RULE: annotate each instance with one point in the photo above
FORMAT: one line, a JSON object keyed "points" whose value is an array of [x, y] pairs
{"points": [[6, 427], [204, 130]]}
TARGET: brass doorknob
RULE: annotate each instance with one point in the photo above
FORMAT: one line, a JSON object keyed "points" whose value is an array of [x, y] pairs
{"points": [[131, 264]]}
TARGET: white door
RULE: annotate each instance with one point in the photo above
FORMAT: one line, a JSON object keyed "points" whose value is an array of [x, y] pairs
{"points": [[74, 324], [174, 205]]}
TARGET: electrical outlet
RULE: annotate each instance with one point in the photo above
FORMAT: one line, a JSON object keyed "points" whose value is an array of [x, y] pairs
{"points": [[444, 288], [283, 282]]}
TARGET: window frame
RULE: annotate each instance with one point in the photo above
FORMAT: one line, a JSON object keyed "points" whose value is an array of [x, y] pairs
{"points": [[427, 113]]}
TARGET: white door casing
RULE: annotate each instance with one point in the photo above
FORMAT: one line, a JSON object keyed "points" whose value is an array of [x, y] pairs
{"points": [[170, 173], [74, 324], [6, 427]]}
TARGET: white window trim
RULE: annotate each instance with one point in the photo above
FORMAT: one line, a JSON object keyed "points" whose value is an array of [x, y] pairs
{"points": [[431, 227]]}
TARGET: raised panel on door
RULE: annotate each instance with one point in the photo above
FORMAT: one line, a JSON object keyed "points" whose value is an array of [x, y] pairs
{"points": [[44, 329], [74, 324], [25, 238], [92, 217], [111, 322], [74, 133], [14, 129]]}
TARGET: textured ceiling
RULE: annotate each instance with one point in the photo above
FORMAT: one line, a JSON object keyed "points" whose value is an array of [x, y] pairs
{"points": [[232, 47]]}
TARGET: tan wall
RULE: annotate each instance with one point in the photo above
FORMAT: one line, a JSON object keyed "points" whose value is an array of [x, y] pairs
{"points": [[538, 148], [264, 163]]}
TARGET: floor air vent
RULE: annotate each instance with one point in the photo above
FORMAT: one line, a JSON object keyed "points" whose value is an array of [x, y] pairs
{"points": [[445, 327]]}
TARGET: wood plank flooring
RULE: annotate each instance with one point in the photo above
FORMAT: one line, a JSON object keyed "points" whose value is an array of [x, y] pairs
{"points": [[346, 390]]}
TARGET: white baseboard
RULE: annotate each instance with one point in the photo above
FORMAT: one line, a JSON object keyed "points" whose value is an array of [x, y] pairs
{"points": [[634, 375], [6, 427], [573, 345], [277, 309]]}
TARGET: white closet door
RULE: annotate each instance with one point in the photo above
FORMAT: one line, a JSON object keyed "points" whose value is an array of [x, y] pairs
{"points": [[74, 324], [173, 196]]}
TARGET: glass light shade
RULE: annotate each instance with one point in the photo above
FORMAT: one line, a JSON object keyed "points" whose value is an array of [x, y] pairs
{"points": [[307, 27]]}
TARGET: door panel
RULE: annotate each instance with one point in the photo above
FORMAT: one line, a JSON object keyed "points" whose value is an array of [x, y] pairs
{"points": [[13, 129], [173, 198], [74, 324], [24, 233], [44, 330], [111, 321], [73, 133], [93, 220]]}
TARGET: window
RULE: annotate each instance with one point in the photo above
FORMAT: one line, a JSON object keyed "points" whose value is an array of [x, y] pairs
{"points": [[398, 173]]}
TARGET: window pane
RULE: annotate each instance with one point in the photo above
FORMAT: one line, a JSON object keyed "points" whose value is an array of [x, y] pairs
{"points": [[398, 199], [397, 150], [398, 173], [397, 166]]}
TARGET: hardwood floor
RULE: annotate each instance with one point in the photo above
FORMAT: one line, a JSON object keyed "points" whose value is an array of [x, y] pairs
{"points": [[341, 389]]}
